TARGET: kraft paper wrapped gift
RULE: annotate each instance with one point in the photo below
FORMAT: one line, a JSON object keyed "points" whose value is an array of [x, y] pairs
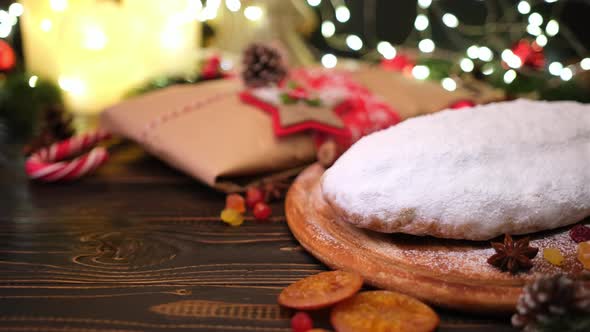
{"points": [[206, 131]]}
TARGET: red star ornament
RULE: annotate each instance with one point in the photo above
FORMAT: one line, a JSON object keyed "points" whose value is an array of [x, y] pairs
{"points": [[531, 54], [7, 57], [298, 117]]}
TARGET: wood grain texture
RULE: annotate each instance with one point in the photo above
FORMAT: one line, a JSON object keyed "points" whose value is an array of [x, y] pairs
{"points": [[139, 247]]}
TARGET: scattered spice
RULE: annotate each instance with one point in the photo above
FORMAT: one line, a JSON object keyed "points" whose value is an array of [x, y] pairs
{"points": [[275, 190]]}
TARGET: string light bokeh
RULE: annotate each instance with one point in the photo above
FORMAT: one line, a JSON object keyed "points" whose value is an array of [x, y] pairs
{"points": [[9, 18], [541, 28]]}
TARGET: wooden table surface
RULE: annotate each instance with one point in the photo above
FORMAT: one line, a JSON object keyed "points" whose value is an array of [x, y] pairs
{"points": [[140, 247]]}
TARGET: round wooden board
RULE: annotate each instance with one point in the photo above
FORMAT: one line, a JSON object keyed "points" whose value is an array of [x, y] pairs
{"points": [[447, 273]]}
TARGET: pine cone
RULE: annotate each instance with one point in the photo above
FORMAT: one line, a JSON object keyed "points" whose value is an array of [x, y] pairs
{"points": [[551, 298], [55, 126], [58, 122], [263, 66]]}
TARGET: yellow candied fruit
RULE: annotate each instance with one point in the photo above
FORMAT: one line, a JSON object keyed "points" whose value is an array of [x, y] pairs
{"points": [[584, 254], [232, 217], [553, 256]]}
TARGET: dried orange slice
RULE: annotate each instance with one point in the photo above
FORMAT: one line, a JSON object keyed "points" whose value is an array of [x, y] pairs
{"points": [[383, 311], [321, 290]]}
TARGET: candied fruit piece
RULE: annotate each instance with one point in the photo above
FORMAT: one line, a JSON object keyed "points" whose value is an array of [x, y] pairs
{"points": [[235, 202], [580, 233], [553, 256], [584, 254], [383, 311], [232, 217], [321, 290]]}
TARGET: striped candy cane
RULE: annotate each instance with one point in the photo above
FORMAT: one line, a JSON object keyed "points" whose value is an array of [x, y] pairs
{"points": [[50, 164]]}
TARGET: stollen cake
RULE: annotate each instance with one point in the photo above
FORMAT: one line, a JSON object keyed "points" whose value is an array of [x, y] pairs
{"points": [[512, 167]]}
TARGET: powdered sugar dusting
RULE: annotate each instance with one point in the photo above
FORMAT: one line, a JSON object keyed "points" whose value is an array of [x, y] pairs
{"points": [[466, 260], [469, 259], [513, 167]]}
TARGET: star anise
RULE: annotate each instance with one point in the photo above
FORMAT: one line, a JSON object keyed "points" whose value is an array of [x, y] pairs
{"points": [[274, 190], [513, 255]]}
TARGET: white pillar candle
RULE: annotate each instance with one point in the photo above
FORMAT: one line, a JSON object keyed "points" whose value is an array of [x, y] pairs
{"points": [[97, 50]]}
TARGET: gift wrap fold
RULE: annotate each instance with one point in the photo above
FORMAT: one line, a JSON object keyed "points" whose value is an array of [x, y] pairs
{"points": [[206, 131]]}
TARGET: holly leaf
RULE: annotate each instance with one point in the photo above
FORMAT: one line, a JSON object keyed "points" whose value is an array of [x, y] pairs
{"points": [[315, 102], [287, 100]]}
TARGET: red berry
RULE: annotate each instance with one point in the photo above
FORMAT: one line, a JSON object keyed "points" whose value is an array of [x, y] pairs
{"points": [[261, 211], [301, 322], [580, 233], [253, 196]]}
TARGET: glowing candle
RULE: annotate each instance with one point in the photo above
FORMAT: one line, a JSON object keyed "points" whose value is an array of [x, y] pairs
{"points": [[98, 50]]}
